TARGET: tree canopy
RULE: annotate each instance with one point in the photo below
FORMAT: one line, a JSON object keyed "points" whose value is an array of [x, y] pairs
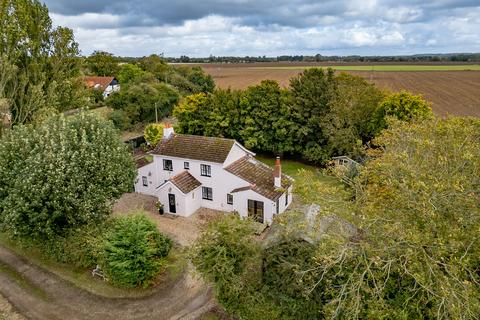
{"points": [[62, 173], [45, 60], [101, 63], [320, 115]]}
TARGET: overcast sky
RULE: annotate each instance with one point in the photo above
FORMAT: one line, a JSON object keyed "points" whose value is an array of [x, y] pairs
{"points": [[199, 28]]}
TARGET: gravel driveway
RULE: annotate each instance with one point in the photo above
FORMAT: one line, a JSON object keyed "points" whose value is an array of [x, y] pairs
{"points": [[182, 230]]}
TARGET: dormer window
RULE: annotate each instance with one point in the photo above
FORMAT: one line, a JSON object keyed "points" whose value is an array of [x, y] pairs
{"points": [[167, 165]]}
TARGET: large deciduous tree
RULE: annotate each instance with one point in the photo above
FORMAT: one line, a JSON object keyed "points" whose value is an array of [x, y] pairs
{"points": [[312, 93], [103, 64], [418, 205], [403, 106], [62, 173], [267, 118], [350, 122], [45, 58]]}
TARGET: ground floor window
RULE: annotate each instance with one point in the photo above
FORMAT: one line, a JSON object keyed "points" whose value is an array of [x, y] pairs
{"points": [[286, 197], [255, 210], [230, 198], [278, 206], [207, 193], [145, 181]]}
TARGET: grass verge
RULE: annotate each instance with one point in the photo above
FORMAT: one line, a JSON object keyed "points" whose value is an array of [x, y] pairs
{"points": [[82, 278]]}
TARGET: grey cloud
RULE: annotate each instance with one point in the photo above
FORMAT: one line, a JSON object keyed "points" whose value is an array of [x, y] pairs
{"points": [[295, 13], [271, 27]]}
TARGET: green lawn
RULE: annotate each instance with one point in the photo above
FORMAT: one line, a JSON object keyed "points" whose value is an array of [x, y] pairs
{"points": [[291, 167], [392, 68], [327, 191]]}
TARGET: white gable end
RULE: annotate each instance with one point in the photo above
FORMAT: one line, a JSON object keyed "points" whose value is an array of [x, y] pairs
{"points": [[237, 152]]}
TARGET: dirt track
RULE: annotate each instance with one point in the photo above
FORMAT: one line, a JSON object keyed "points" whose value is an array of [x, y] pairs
{"points": [[42, 295]]}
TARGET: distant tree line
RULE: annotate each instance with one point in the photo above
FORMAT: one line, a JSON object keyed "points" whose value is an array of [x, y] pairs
{"points": [[447, 57], [318, 116]]}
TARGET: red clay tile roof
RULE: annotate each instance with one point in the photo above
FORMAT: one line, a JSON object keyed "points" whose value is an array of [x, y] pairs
{"points": [[185, 182], [102, 82], [195, 147], [260, 177]]}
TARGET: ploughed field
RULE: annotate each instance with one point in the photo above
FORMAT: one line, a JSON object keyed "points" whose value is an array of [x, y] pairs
{"points": [[453, 88]]}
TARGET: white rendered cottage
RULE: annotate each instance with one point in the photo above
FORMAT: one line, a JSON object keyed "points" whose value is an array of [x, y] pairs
{"points": [[189, 172], [107, 85]]}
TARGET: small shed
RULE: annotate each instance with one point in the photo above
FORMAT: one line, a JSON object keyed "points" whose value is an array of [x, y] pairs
{"points": [[345, 161]]}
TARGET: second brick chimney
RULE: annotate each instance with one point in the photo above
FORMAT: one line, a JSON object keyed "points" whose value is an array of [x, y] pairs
{"points": [[277, 174]]}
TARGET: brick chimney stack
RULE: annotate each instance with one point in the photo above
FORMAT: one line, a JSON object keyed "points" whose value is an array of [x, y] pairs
{"points": [[277, 174], [167, 130]]}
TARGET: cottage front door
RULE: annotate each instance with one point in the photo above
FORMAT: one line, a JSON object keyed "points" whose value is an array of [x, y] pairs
{"points": [[172, 208]]}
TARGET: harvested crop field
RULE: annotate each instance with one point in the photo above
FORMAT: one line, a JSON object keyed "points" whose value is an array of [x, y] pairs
{"points": [[450, 90]]}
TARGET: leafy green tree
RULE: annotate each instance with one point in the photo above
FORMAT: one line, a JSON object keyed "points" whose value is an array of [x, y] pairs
{"points": [[134, 251], [101, 63], [312, 93], [156, 65], [267, 118], [418, 204], [225, 117], [191, 113], [60, 174], [137, 102], [227, 256], [46, 61], [403, 106], [129, 72], [351, 120], [203, 81], [153, 134]]}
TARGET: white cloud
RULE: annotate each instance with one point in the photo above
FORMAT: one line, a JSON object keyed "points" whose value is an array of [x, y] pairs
{"points": [[363, 27]]}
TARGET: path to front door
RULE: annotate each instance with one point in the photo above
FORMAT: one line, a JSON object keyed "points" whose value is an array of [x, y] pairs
{"points": [[172, 208]]}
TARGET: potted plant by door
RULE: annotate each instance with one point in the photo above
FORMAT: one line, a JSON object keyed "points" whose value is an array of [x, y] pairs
{"points": [[159, 206]]}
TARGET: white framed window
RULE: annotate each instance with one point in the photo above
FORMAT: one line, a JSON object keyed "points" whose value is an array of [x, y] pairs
{"points": [[186, 165], [286, 197], [207, 193], [229, 198], [167, 165], [145, 181], [205, 170]]}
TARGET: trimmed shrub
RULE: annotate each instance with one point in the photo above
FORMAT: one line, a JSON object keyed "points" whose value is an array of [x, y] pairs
{"points": [[134, 251]]}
